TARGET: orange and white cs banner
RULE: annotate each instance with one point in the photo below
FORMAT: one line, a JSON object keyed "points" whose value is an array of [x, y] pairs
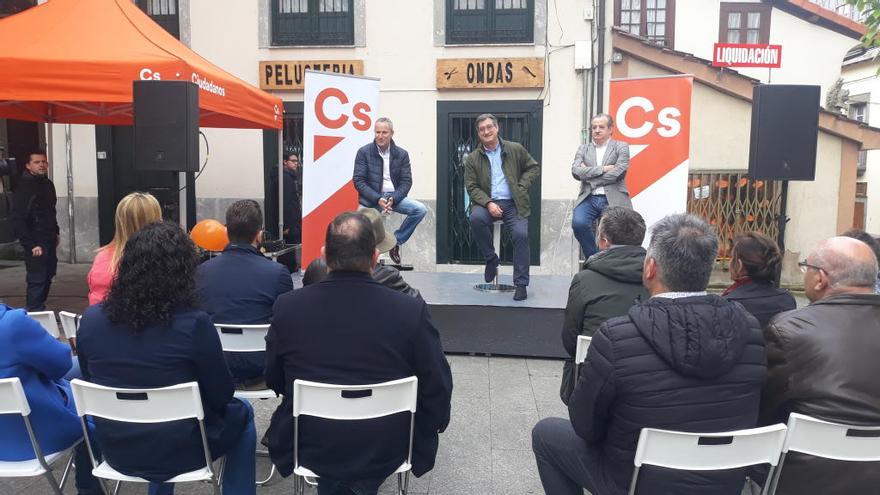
{"points": [[338, 119], [653, 115]]}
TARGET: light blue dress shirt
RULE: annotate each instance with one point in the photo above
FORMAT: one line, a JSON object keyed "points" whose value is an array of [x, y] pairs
{"points": [[500, 187]]}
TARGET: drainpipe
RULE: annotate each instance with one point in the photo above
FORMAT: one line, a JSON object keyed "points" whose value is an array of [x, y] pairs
{"points": [[600, 59], [68, 142]]}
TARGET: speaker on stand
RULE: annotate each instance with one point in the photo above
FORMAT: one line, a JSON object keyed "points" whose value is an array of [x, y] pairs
{"points": [[784, 137]]}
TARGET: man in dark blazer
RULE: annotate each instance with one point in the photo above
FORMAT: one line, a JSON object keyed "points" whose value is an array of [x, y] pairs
{"points": [[600, 166], [241, 285], [349, 329], [383, 178]]}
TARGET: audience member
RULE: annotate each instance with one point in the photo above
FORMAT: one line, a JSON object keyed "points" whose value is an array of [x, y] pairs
{"points": [[683, 360], [147, 334], [315, 272], [387, 275], [28, 352], [241, 285], [609, 284], [132, 213], [822, 362], [380, 335], [755, 263], [872, 242]]}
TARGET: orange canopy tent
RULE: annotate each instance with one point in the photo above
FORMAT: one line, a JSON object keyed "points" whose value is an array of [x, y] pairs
{"points": [[73, 61]]}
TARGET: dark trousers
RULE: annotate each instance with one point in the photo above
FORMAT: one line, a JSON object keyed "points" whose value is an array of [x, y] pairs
{"points": [[582, 219], [566, 464], [40, 270], [363, 487], [481, 229]]}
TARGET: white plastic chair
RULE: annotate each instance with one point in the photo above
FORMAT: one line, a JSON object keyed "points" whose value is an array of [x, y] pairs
{"points": [[709, 451], [247, 338], [69, 323], [828, 440], [330, 402], [46, 319], [14, 401], [150, 405], [580, 354]]}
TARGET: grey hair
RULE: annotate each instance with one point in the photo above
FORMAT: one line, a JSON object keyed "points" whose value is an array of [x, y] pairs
{"points": [[684, 248], [599, 115], [623, 226], [484, 116], [386, 120], [845, 271]]}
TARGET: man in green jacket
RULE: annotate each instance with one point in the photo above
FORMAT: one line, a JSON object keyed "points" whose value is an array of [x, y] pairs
{"points": [[497, 178]]}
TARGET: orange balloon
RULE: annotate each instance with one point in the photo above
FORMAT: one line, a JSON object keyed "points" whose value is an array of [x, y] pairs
{"points": [[210, 234]]}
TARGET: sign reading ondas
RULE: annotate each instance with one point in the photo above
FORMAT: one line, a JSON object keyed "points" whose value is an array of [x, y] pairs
{"points": [[490, 73], [290, 75]]}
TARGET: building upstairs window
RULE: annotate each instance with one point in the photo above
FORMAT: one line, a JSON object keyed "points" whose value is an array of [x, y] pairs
{"points": [[490, 21], [743, 22], [10, 7], [312, 22], [164, 12], [650, 19]]}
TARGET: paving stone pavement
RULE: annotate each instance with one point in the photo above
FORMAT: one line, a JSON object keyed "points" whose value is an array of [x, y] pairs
{"points": [[485, 450]]}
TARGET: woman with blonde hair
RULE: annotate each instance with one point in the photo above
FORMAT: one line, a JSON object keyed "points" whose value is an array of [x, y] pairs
{"points": [[133, 212]]}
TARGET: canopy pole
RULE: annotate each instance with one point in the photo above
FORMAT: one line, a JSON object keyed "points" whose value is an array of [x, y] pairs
{"points": [[281, 183], [68, 141]]}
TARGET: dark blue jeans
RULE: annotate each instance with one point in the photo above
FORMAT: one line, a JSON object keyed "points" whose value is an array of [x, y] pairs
{"points": [[582, 219], [481, 229], [40, 271]]}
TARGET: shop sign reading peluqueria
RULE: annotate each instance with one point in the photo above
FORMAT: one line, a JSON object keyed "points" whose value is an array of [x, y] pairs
{"points": [[490, 73], [289, 75]]}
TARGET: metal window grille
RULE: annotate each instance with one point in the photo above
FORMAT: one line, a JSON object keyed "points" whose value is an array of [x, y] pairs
{"points": [[490, 21], [164, 13], [733, 203], [312, 22]]}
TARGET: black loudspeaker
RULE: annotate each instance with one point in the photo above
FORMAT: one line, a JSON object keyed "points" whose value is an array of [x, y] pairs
{"points": [[785, 132], [166, 126]]}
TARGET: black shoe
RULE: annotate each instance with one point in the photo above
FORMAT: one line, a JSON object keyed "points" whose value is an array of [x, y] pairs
{"points": [[520, 294], [395, 254], [491, 270]]}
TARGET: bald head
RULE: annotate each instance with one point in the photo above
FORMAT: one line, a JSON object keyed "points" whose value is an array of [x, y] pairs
{"points": [[849, 263]]}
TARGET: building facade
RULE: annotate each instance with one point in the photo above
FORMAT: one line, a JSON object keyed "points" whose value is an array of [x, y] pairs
{"points": [[438, 63]]}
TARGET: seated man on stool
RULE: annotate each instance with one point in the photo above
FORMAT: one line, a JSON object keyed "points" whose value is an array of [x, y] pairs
{"points": [[497, 177], [383, 177]]}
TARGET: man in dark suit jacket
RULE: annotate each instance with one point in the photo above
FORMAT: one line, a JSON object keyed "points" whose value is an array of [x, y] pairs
{"points": [[600, 166], [383, 178], [349, 329], [241, 285]]}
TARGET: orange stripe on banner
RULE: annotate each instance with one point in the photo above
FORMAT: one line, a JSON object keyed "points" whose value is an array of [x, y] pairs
{"points": [[323, 144], [314, 228]]}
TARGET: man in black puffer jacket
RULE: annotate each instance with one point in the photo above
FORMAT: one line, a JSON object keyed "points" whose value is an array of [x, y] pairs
{"points": [[684, 360]]}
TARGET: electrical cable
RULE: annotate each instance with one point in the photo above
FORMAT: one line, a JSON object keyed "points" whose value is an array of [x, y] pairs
{"points": [[205, 164]]}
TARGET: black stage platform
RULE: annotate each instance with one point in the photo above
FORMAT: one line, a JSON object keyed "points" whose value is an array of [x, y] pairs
{"points": [[476, 322]]}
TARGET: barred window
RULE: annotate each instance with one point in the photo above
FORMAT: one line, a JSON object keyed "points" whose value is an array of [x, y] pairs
{"points": [[312, 22], [490, 21]]}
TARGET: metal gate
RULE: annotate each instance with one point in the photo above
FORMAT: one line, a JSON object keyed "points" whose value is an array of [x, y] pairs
{"points": [[518, 121], [733, 203]]}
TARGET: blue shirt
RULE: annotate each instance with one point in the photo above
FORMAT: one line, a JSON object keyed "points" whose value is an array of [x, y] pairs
{"points": [[500, 188]]}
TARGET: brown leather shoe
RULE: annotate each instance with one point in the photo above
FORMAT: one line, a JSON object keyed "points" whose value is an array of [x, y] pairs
{"points": [[395, 254]]}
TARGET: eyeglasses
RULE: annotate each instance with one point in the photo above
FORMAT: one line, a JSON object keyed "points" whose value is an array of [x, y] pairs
{"points": [[804, 265]]}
